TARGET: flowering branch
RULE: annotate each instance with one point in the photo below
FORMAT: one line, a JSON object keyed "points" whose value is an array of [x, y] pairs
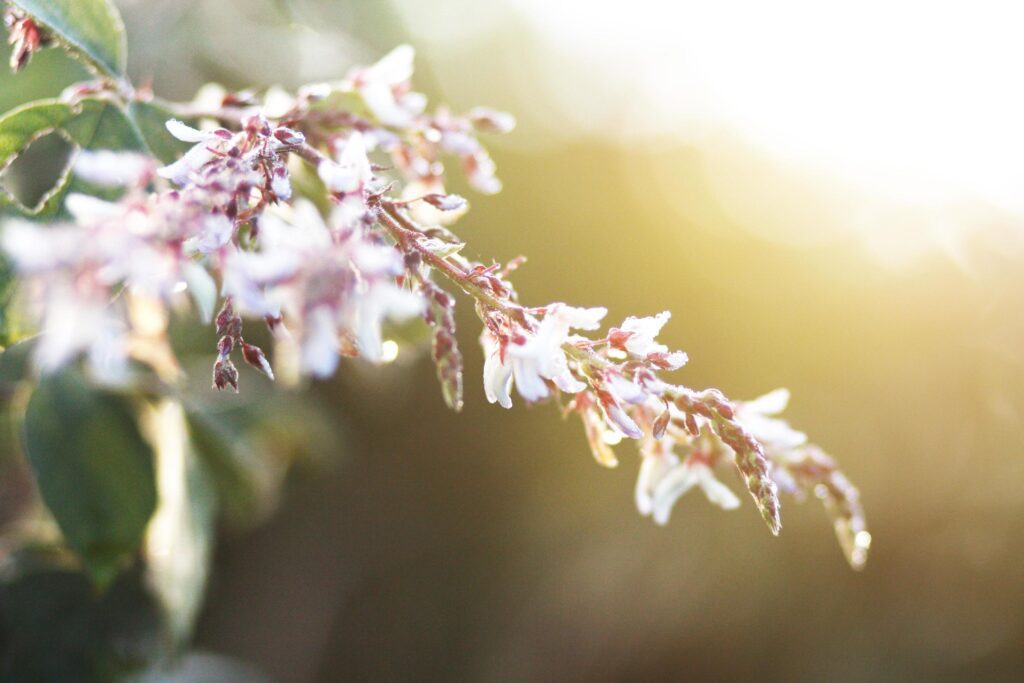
{"points": [[223, 223]]}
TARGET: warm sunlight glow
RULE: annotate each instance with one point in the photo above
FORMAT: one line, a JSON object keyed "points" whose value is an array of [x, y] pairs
{"points": [[915, 101]]}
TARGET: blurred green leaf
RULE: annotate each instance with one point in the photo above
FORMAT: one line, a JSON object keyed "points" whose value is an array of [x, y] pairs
{"points": [[8, 327], [14, 365], [55, 627], [91, 29], [149, 119], [248, 449], [21, 126], [93, 468], [90, 124], [239, 473]]}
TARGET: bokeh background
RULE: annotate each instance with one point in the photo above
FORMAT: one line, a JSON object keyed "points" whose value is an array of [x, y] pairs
{"points": [[826, 199]]}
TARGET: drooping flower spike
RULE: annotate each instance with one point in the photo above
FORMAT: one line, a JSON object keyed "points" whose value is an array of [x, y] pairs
{"points": [[363, 242]]}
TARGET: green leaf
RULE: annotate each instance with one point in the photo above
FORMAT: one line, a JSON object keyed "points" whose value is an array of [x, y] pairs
{"points": [[149, 119], [93, 468], [56, 627], [89, 124], [8, 327], [91, 29]]}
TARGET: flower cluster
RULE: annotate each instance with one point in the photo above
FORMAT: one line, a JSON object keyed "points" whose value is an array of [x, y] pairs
{"points": [[362, 245]]}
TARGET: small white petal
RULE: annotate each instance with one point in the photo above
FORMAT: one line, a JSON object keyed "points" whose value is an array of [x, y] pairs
{"points": [[652, 469], [670, 489], [528, 380], [87, 209], [717, 492], [644, 330], [772, 403], [184, 132], [497, 374], [336, 177], [281, 186], [202, 288], [394, 68], [113, 169], [320, 344]]}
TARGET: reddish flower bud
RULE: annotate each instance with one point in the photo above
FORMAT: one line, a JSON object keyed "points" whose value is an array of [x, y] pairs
{"points": [[255, 357], [661, 423], [289, 136], [225, 346], [225, 374]]}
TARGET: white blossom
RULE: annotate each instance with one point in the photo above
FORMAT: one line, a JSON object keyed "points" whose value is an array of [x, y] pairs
{"points": [[773, 433], [377, 85], [113, 169], [640, 339], [194, 159], [381, 301], [539, 356], [663, 480], [352, 170], [497, 373]]}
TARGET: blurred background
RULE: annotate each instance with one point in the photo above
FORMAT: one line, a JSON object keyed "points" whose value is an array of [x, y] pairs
{"points": [[828, 197]]}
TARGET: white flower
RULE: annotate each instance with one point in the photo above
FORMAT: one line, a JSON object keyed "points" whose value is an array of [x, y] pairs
{"points": [[382, 301], [616, 416], [352, 170], [215, 231], [376, 84], [36, 249], [281, 185], [653, 467], [195, 158], [497, 373], [641, 340], [625, 390], [88, 210], [320, 342], [774, 434], [74, 323], [541, 356], [113, 169], [663, 480]]}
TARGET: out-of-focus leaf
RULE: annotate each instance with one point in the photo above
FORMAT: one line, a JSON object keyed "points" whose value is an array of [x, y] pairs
{"points": [[94, 469], [149, 119], [248, 448], [19, 127], [180, 537], [245, 477], [55, 627], [9, 327], [89, 124], [15, 365], [91, 29]]}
